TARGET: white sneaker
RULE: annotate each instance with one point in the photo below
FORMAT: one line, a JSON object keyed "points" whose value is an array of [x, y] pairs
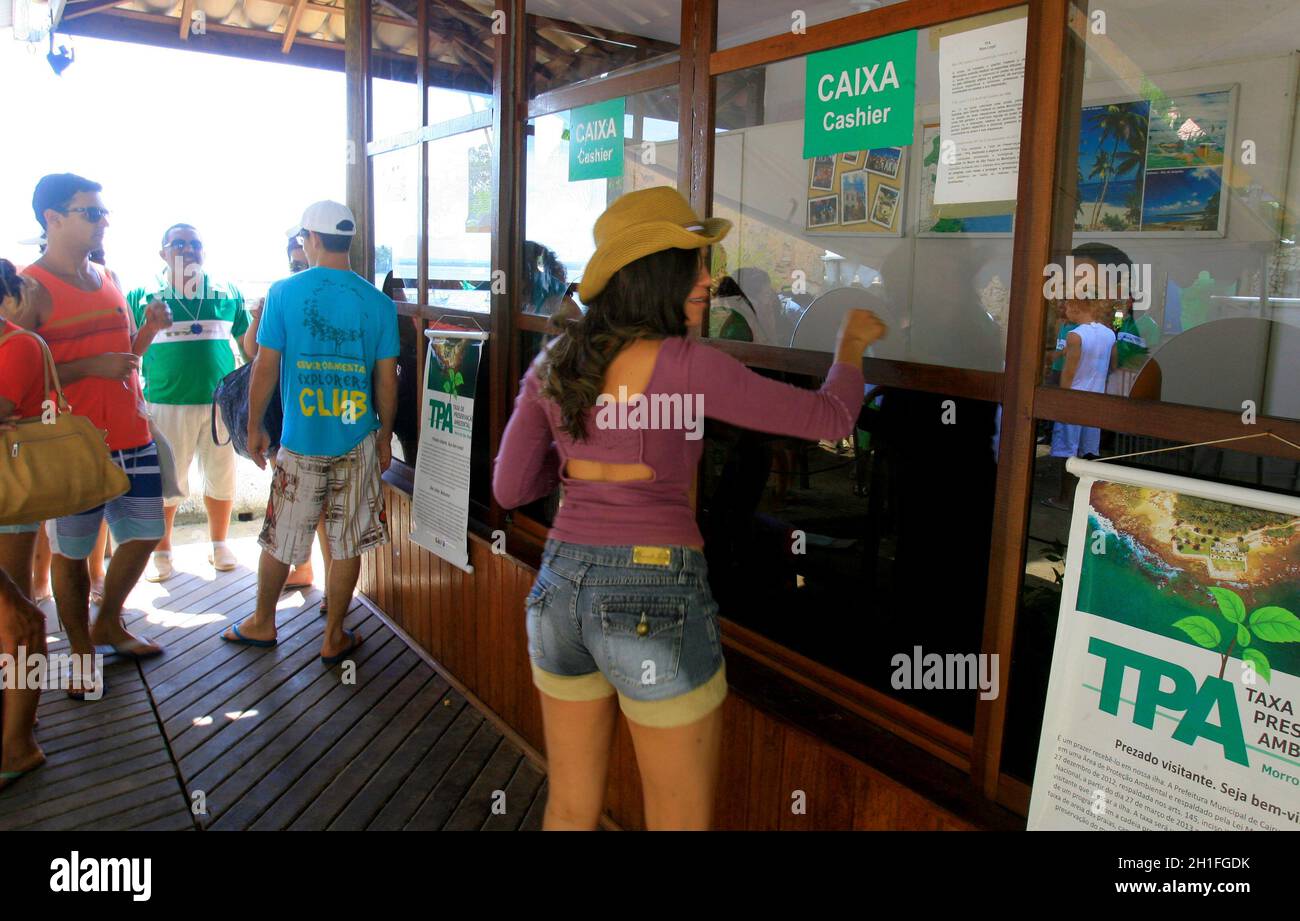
{"points": [[222, 558], [162, 567]]}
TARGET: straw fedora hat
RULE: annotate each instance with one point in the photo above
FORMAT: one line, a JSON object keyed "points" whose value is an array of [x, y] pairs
{"points": [[644, 222]]}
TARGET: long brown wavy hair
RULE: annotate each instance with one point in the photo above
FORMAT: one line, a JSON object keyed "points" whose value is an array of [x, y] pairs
{"points": [[643, 300]]}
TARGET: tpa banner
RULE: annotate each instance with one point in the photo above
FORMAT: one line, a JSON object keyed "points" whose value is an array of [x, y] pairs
{"points": [[440, 495], [1176, 672]]}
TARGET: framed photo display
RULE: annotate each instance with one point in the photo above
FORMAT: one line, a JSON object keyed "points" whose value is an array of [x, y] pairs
{"points": [[857, 192], [1156, 166]]}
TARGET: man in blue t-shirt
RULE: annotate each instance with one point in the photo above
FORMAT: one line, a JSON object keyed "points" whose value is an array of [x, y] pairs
{"points": [[330, 339]]}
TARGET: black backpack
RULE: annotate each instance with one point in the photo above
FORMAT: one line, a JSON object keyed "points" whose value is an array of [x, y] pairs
{"points": [[231, 396]]}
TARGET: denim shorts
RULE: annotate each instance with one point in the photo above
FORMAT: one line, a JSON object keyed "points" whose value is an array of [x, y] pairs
{"points": [[636, 621]]}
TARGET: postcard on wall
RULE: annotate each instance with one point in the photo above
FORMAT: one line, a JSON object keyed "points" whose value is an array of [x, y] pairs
{"points": [[858, 191], [1154, 166], [981, 88]]}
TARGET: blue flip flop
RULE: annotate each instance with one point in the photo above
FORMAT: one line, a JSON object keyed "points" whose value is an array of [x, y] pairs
{"points": [[130, 650], [353, 642], [246, 641]]}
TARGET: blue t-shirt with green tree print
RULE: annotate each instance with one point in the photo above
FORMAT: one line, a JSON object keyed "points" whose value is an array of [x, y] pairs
{"points": [[330, 327]]}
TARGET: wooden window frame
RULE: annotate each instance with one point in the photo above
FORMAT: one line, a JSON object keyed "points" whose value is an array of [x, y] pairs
{"points": [[1053, 93]]}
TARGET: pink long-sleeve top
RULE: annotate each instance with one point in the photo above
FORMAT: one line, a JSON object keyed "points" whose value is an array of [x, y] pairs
{"points": [[535, 447]]}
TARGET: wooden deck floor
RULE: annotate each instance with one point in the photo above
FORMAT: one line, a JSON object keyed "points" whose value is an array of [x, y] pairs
{"points": [[223, 737]]}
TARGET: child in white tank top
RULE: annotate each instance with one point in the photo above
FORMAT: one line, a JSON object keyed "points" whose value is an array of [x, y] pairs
{"points": [[1089, 359]]}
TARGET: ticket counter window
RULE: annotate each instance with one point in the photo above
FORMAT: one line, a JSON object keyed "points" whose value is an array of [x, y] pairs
{"points": [[1185, 166], [814, 237]]}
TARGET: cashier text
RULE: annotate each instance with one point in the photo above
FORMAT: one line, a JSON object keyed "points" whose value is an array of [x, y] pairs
{"points": [[860, 81]]}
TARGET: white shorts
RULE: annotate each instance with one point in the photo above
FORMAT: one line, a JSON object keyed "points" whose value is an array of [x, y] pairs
{"points": [[1075, 440], [188, 429], [348, 489]]}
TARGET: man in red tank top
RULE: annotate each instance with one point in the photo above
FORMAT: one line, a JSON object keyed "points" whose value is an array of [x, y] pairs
{"points": [[83, 317]]}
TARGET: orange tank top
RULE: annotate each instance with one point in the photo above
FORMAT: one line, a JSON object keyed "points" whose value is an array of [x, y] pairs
{"points": [[87, 323]]}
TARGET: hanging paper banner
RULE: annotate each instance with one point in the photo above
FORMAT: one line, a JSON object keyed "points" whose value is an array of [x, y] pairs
{"points": [[1175, 676], [440, 496]]}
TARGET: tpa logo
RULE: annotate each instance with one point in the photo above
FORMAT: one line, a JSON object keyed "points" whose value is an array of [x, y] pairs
{"points": [[440, 415], [1183, 697]]}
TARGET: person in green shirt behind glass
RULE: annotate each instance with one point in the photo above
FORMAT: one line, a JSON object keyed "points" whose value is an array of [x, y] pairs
{"points": [[187, 351]]}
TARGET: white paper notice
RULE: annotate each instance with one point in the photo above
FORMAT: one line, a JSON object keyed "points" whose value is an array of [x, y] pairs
{"points": [[981, 88]]}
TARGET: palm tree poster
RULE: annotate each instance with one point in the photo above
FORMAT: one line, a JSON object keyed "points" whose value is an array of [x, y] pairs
{"points": [[1176, 665], [1154, 166], [1112, 158]]}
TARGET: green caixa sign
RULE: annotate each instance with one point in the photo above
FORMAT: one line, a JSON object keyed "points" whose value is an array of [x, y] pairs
{"points": [[596, 141], [860, 96]]}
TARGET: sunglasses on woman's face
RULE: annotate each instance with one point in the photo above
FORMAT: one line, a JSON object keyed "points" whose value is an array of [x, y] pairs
{"points": [[92, 214]]}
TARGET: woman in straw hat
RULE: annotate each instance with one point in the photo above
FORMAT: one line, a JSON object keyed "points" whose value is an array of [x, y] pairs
{"points": [[620, 615]]}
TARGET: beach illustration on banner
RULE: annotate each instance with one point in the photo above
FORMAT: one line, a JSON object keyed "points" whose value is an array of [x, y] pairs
{"points": [[926, 221], [454, 369], [858, 191], [1221, 577], [1154, 165]]}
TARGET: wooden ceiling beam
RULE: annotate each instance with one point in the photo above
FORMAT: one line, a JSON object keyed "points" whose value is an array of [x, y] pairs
{"points": [[187, 16], [291, 28]]}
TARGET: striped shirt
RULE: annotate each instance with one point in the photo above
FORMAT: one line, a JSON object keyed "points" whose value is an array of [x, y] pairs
{"points": [[84, 324]]}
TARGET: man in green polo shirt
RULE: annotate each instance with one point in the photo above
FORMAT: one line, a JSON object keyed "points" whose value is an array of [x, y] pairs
{"points": [[183, 363]]}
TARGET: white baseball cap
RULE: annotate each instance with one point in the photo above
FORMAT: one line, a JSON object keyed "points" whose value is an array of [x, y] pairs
{"points": [[326, 217]]}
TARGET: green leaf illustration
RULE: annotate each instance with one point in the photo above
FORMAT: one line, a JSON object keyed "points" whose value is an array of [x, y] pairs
{"points": [[1260, 661], [1243, 636], [1230, 604], [1277, 625], [1201, 629]]}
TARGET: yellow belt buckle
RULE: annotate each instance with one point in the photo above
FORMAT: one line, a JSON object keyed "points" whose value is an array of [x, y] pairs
{"points": [[652, 556]]}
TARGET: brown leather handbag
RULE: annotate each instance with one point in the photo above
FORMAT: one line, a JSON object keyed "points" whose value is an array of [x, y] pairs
{"points": [[55, 464]]}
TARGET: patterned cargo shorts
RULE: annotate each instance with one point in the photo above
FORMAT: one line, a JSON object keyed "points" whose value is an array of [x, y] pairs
{"points": [[345, 488]]}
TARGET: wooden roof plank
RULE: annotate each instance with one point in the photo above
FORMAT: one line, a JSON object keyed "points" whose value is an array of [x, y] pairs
{"points": [[291, 28]]}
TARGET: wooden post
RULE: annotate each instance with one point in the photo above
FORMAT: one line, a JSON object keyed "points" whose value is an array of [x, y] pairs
{"points": [[509, 107], [360, 191], [695, 101], [1053, 69]]}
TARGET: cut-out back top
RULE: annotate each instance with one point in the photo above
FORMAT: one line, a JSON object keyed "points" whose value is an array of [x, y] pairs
{"points": [[663, 429]]}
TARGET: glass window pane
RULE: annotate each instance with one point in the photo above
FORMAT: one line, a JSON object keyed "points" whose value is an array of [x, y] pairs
{"points": [[568, 45], [559, 214], [822, 546], [460, 62], [394, 96], [813, 238], [744, 21], [1185, 164], [1049, 538], [397, 221], [460, 221]]}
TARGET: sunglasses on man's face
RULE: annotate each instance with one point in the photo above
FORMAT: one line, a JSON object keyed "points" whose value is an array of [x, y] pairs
{"points": [[92, 214], [178, 245]]}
